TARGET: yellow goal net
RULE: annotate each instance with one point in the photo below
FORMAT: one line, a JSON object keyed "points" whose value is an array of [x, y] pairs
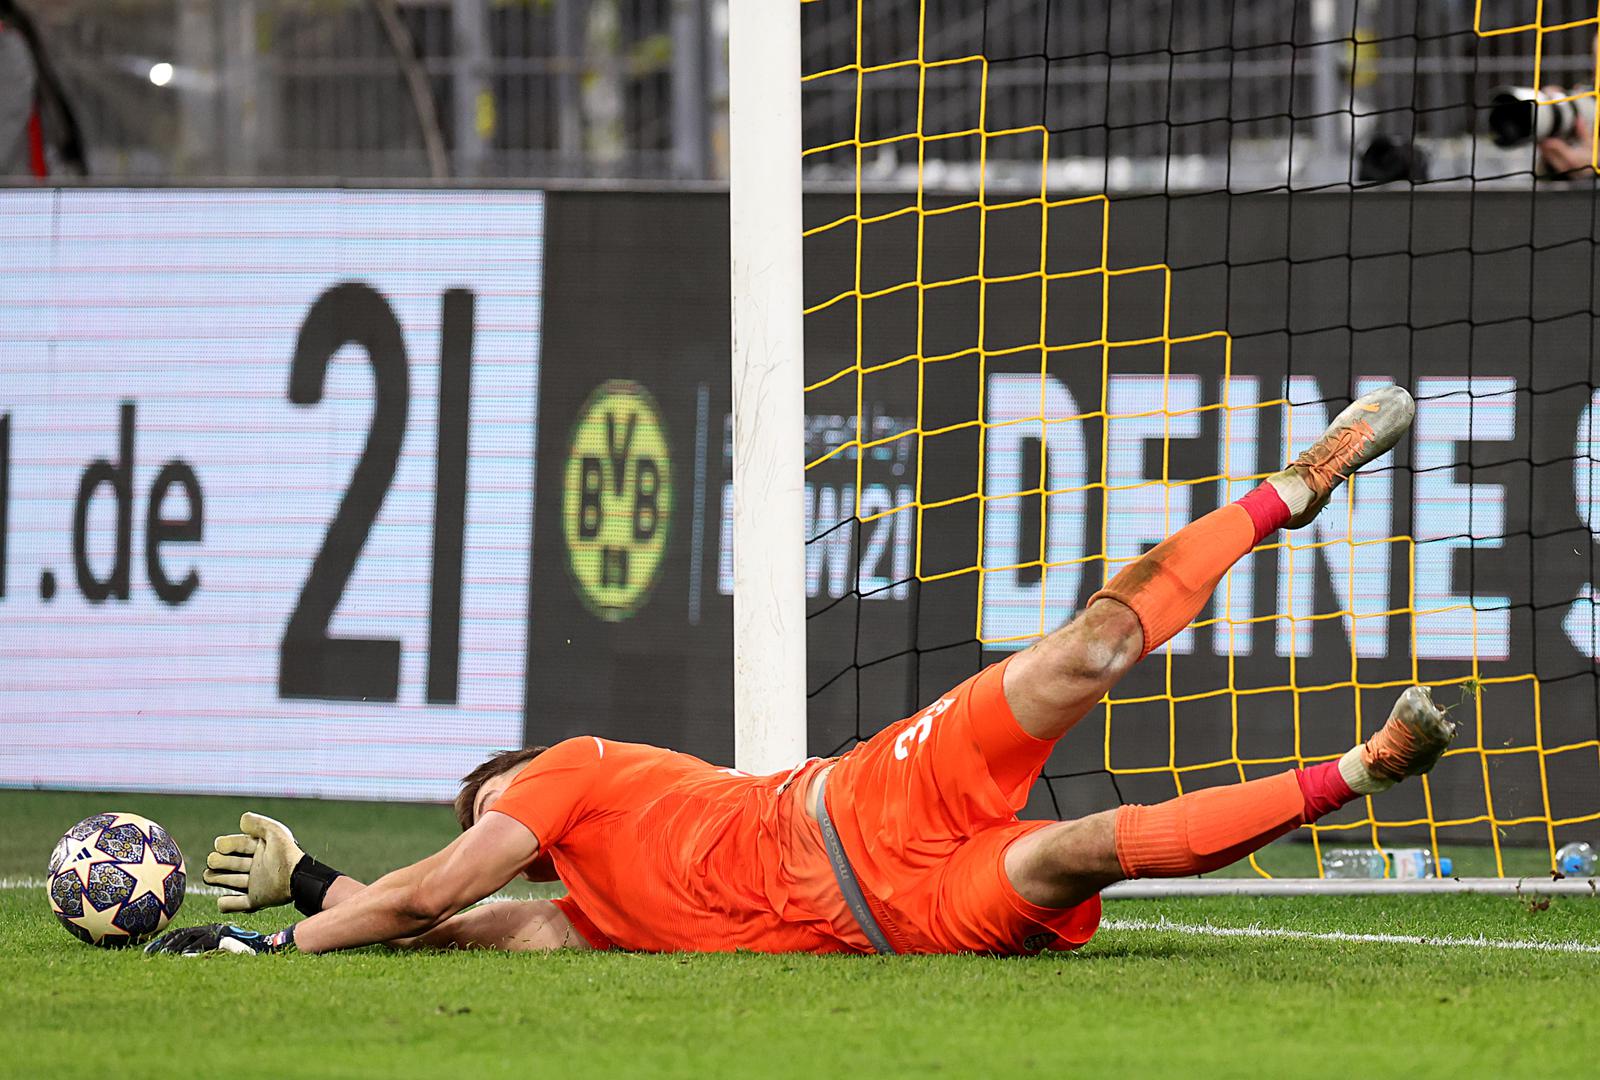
{"points": [[1077, 273]]}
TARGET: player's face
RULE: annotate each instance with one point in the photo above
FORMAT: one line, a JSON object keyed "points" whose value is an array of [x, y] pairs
{"points": [[490, 793]]}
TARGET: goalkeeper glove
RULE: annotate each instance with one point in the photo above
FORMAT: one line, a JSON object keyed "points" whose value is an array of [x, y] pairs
{"points": [[262, 866], [221, 937]]}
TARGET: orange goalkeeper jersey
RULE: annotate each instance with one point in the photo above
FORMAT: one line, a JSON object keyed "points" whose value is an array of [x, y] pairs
{"points": [[663, 852]]}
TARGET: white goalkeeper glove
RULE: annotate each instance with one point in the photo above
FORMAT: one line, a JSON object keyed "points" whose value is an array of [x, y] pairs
{"points": [[262, 866]]}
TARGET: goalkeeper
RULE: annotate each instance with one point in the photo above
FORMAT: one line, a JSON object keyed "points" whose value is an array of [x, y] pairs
{"points": [[908, 843]]}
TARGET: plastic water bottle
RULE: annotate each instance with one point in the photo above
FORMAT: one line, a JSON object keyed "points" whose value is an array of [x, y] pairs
{"points": [[1416, 863], [1576, 859], [1353, 863], [1372, 863]]}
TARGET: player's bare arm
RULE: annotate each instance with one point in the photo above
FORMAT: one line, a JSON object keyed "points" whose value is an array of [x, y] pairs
{"points": [[417, 898], [263, 866], [407, 903]]}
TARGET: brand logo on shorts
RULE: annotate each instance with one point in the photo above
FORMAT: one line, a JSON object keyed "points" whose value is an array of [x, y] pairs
{"points": [[617, 501]]}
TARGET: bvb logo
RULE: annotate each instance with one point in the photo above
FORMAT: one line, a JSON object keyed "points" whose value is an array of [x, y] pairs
{"points": [[618, 499]]}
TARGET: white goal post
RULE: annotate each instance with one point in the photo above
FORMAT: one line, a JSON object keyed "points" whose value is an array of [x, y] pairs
{"points": [[769, 606]]}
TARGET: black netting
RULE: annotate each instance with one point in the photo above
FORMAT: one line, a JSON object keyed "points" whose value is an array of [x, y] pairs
{"points": [[1085, 271]]}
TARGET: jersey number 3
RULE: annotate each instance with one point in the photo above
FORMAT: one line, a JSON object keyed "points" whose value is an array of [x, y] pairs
{"points": [[918, 732]]}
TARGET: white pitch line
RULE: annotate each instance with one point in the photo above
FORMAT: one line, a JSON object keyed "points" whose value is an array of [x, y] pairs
{"points": [[199, 890], [39, 883], [1259, 931]]}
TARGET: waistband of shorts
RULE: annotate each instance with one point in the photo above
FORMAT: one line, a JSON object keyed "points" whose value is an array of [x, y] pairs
{"points": [[886, 923], [885, 927]]}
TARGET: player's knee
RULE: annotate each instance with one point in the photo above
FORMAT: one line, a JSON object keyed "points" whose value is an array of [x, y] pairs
{"points": [[1098, 646], [1114, 625], [1053, 684]]}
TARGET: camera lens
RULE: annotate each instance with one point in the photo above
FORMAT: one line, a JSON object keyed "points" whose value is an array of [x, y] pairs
{"points": [[1511, 118]]}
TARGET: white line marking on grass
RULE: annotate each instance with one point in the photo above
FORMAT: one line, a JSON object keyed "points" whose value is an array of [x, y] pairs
{"points": [[210, 890], [1259, 931], [39, 883]]}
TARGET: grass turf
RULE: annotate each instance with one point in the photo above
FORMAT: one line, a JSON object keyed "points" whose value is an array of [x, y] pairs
{"points": [[1132, 1003]]}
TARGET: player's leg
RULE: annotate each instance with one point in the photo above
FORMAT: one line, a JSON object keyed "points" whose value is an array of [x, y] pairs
{"points": [[508, 925], [1063, 864], [924, 789], [1052, 685]]}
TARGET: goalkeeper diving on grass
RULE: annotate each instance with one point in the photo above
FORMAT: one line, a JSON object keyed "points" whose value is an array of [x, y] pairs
{"points": [[908, 843]]}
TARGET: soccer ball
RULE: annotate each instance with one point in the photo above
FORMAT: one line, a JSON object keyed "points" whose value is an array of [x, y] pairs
{"points": [[116, 879]]}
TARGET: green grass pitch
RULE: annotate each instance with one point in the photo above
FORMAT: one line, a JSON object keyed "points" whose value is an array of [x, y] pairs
{"points": [[1133, 1003]]}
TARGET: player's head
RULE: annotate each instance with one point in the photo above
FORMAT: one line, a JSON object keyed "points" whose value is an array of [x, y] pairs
{"points": [[483, 785]]}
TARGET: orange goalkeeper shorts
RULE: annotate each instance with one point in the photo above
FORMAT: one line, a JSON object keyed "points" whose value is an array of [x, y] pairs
{"points": [[926, 809]]}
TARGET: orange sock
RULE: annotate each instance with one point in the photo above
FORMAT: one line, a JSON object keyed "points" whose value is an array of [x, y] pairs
{"points": [[1206, 830], [1169, 585]]}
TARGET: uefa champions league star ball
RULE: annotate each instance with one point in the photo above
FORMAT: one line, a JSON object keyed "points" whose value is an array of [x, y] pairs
{"points": [[116, 879]]}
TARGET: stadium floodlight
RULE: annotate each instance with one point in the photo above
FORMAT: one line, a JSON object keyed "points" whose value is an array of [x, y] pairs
{"points": [[768, 387]]}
